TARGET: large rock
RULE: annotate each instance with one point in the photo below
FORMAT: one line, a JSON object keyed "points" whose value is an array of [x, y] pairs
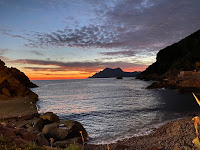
{"points": [[53, 131], [75, 127], [6, 92], [50, 117], [64, 130], [156, 85], [42, 140], [32, 125]]}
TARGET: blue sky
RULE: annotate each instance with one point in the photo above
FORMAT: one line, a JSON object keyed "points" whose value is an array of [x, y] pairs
{"points": [[71, 38]]}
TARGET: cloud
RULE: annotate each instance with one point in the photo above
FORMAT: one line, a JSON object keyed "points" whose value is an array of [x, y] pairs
{"points": [[3, 51], [86, 66], [124, 53], [36, 52], [128, 24], [7, 33]]}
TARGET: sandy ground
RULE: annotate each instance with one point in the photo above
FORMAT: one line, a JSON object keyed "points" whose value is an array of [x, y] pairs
{"points": [[17, 107], [174, 134]]}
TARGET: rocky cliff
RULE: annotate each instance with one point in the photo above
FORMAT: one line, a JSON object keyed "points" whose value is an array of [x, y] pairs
{"points": [[14, 82], [184, 55], [117, 72]]}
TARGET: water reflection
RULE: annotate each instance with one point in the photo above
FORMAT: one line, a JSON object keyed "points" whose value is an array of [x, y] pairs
{"points": [[112, 109]]}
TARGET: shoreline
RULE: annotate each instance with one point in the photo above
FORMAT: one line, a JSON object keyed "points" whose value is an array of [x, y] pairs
{"points": [[173, 134]]}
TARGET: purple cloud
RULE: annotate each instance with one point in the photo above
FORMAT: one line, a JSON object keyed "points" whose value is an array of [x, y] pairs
{"points": [[81, 66]]}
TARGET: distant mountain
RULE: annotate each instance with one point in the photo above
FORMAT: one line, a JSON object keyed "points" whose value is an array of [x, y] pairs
{"points": [[184, 55], [117, 72]]}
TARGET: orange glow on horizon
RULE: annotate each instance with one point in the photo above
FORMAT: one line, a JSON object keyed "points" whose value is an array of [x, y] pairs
{"points": [[57, 78], [63, 75]]}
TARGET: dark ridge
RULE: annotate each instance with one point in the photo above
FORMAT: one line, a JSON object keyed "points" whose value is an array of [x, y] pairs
{"points": [[184, 55], [117, 72]]}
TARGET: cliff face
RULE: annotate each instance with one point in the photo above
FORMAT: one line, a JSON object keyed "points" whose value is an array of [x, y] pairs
{"points": [[117, 72], [14, 82], [184, 55]]}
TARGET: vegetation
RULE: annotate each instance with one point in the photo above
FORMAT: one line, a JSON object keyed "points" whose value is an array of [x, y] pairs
{"points": [[196, 120], [73, 147], [6, 144]]}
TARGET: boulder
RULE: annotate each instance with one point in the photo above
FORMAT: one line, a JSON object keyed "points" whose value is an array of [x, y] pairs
{"points": [[50, 117], [37, 123], [53, 131], [6, 92], [75, 127], [28, 136], [42, 140], [156, 85]]}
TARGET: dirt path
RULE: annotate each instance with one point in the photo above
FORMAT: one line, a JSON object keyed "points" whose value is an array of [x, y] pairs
{"points": [[17, 107]]}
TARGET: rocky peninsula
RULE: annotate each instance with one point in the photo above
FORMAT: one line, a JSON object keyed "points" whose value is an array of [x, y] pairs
{"points": [[177, 66]]}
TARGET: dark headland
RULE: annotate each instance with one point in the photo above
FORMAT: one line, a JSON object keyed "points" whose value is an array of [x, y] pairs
{"points": [[177, 66], [116, 72]]}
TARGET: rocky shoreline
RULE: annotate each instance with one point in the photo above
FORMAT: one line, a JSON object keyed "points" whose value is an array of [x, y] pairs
{"points": [[183, 84], [22, 127], [40, 129], [43, 130], [174, 135]]}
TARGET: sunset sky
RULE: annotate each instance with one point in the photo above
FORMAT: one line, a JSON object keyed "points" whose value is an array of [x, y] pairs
{"points": [[71, 39]]}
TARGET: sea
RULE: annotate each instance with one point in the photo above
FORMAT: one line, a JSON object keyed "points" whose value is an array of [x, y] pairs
{"points": [[112, 109]]}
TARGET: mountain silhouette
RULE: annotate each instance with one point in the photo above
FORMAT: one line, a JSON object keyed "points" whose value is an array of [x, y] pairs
{"points": [[116, 72]]}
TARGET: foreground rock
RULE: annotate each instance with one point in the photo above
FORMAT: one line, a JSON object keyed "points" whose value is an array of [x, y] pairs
{"points": [[37, 129], [183, 84], [50, 117], [21, 136]]}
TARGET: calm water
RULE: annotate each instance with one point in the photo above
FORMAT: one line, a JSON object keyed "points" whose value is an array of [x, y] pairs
{"points": [[112, 109]]}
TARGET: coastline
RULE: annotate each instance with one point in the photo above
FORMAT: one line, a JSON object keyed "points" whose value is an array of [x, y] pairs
{"points": [[173, 134], [177, 133]]}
